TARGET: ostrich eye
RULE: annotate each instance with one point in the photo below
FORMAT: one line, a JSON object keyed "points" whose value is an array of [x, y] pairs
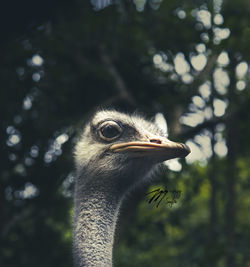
{"points": [[109, 130]]}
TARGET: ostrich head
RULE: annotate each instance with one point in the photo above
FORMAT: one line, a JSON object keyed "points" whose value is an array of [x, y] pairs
{"points": [[115, 145]]}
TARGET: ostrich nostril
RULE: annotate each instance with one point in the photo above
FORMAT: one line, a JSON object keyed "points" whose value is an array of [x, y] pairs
{"points": [[157, 141]]}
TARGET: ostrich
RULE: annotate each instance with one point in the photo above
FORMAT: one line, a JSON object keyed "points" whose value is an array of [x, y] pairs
{"points": [[115, 153]]}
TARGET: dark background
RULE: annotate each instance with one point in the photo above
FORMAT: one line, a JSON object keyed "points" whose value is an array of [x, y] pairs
{"points": [[60, 60]]}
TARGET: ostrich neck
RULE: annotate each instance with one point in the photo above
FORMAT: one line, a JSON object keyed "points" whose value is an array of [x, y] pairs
{"points": [[96, 211]]}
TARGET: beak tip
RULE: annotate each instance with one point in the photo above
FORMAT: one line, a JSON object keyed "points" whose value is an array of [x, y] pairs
{"points": [[187, 150]]}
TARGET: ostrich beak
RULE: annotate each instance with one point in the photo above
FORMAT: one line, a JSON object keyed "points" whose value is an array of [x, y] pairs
{"points": [[157, 147]]}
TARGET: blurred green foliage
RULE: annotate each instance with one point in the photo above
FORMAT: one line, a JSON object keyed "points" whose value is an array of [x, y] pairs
{"points": [[125, 56]]}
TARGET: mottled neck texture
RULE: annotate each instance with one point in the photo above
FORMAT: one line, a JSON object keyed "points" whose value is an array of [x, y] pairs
{"points": [[96, 212]]}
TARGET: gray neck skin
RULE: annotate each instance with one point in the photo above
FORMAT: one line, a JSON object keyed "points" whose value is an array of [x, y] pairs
{"points": [[96, 212]]}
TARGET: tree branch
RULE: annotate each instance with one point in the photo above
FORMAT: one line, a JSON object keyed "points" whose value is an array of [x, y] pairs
{"points": [[118, 80]]}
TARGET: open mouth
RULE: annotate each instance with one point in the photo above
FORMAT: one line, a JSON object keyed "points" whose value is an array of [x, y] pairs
{"points": [[165, 150]]}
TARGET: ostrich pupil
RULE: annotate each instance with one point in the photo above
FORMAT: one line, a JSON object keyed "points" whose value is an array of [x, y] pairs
{"points": [[109, 131]]}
